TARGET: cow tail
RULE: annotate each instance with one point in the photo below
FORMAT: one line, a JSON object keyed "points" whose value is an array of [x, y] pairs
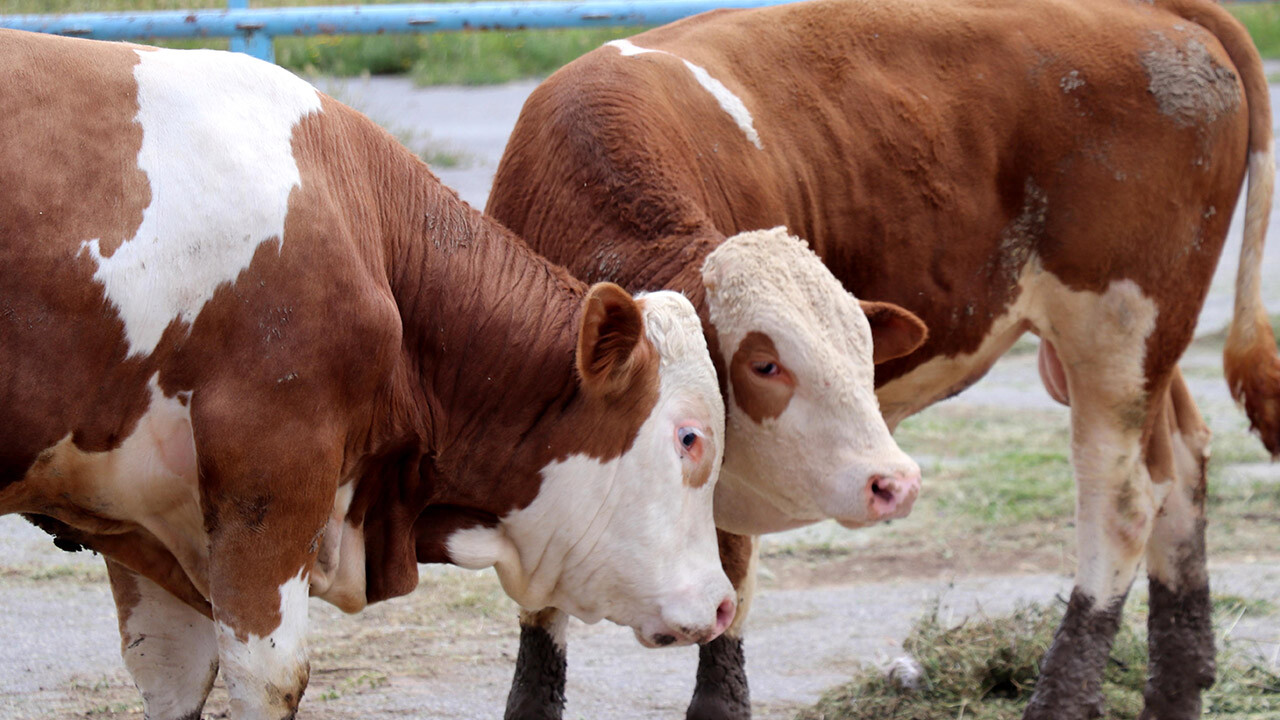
{"points": [[1250, 357]]}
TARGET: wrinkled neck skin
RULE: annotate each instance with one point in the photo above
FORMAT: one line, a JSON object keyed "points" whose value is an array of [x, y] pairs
{"points": [[545, 473], [490, 391]]}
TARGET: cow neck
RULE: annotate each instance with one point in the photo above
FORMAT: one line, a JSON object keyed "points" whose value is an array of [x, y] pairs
{"points": [[674, 262], [490, 332]]}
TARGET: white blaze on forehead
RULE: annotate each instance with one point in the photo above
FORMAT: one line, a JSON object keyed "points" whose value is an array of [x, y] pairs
{"points": [[624, 538], [216, 148], [771, 282], [728, 101]]}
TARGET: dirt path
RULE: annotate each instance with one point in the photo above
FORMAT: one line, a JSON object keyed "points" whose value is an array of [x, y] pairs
{"points": [[447, 650]]}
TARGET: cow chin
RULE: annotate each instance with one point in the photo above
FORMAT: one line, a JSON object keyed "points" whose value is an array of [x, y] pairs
{"points": [[658, 638], [857, 523], [742, 509]]}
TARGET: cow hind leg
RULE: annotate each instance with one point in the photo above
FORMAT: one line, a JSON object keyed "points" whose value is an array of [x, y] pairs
{"points": [[722, 692], [1180, 630], [1115, 504], [168, 646], [537, 690]]}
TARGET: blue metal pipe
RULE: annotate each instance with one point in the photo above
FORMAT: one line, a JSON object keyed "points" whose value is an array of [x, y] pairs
{"points": [[367, 19]]}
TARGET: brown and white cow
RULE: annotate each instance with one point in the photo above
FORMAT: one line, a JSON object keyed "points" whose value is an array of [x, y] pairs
{"points": [[1067, 167], [251, 350]]}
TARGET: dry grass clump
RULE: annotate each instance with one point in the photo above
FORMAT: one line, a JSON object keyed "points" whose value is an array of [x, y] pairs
{"points": [[986, 669]]}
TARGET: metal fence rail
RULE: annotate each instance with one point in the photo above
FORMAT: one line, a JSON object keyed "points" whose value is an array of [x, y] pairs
{"points": [[251, 30]]}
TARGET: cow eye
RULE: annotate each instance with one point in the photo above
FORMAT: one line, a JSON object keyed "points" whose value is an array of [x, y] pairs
{"points": [[765, 369], [689, 442], [688, 437]]}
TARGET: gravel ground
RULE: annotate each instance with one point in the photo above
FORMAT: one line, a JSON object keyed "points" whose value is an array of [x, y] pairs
{"points": [[57, 619]]}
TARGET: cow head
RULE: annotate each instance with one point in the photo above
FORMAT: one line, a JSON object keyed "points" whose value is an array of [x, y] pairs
{"points": [[806, 440], [627, 535]]}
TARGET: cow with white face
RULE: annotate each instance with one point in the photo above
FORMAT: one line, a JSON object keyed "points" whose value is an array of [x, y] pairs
{"points": [[252, 351], [808, 442]]}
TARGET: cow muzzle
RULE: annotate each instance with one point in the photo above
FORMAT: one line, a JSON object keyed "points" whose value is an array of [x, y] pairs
{"points": [[886, 496], [681, 623]]}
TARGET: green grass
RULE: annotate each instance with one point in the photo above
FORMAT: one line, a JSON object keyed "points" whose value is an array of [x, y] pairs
{"points": [[1263, 22], [986, 669], [466, 58]]}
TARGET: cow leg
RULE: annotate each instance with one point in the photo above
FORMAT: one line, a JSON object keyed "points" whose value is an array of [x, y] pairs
{"points": [[1180, 630], [268, 482], [168, 646], [1111, 410], [537, 690], [721, 692]]}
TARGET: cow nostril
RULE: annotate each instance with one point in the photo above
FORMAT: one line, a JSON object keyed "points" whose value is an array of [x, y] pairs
{"points": [[663, 640], [724, 614], [881, 490]]}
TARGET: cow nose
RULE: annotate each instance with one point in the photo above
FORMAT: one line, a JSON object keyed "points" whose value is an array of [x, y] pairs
{"points": [[724, 618], [675, 632], [891, 496]]}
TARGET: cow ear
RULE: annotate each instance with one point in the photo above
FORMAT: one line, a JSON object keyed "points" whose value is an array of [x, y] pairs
{"points": [[608, 338], [895, 330]]}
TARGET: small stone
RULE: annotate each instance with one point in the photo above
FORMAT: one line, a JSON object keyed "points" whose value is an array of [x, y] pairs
{"points": [[905, 673]]}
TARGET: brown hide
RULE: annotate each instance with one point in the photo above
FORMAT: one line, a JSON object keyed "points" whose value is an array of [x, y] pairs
{"points": [[924, 149]]}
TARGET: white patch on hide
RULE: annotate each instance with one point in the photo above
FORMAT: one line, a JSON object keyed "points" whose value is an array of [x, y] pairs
{"points": [[216, 148], [728, 101], [170, 650], [150, 479], [259, 670]]}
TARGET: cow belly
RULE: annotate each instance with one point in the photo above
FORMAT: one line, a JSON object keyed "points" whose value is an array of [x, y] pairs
{"points": [[942, 376], [149, 480]]}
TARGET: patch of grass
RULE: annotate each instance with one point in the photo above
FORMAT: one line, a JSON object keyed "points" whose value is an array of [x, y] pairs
{"points": [[1232, 605], [986, 669], [1263, 22], [475, 58], [993, 466], [466, 57]]}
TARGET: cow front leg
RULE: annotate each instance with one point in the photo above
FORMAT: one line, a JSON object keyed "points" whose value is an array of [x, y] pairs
{"points": [[264, 663], [537, 690], [1179, 627], [722, 692], [168, 646], [267, 491]]}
